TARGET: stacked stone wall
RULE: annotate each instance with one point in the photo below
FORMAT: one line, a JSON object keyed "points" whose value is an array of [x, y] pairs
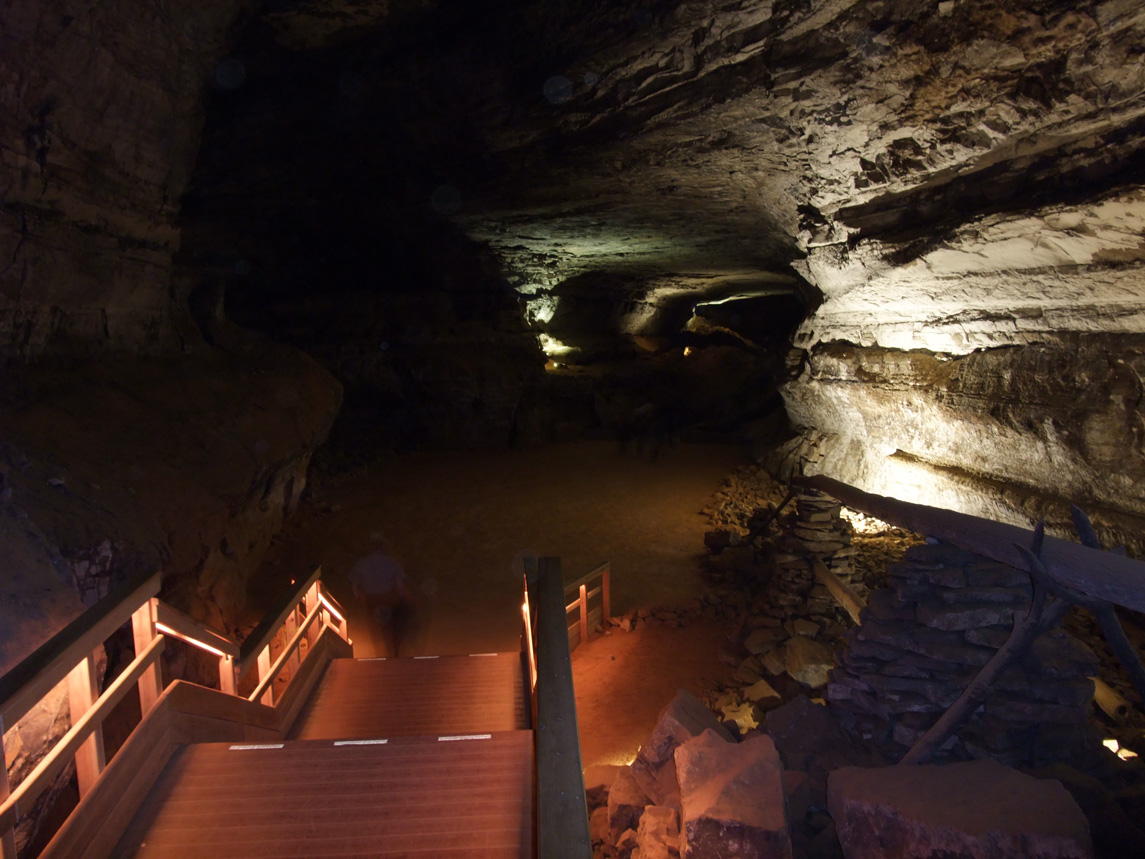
{"points": [[922, 641]]}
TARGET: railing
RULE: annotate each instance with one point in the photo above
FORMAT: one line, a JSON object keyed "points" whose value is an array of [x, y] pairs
{"points": [[71, 654], [562, 815], [588, 618]]}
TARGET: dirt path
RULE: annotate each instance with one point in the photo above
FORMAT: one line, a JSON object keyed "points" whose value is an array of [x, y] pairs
{"points": [[455, 521]]}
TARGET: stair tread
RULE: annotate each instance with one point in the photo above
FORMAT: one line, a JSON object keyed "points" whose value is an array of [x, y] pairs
{"points": [[467, 798], [363, 698]]}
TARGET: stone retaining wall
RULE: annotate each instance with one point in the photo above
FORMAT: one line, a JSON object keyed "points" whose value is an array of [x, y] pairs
{"points": [[921, 642]]}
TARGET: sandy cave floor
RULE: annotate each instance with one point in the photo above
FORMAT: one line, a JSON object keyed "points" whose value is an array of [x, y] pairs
{"points": [[455, 520]]}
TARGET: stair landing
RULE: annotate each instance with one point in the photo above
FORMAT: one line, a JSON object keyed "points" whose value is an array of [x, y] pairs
{"points": [[364, 698]]}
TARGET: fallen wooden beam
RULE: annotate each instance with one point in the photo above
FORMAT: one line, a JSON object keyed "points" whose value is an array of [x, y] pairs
{"points": [[846, 597], [1110, 577]]}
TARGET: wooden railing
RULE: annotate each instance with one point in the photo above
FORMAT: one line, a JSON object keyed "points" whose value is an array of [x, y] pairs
{"points": [[580, 593], [562, 815], [72, 654]]}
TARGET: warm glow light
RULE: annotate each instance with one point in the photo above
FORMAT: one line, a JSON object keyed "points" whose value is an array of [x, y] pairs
{"points": [[862, 523], [330, 608], [166, 630], [687, 350], [1115, 747]]}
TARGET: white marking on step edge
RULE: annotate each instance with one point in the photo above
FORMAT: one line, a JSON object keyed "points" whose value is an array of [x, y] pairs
{"points": [[372, 659], [360, 742], [427, 657], [256, 746], [465, 737], [484, 654]]}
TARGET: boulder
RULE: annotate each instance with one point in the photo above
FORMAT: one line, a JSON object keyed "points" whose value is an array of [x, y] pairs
{"points": [[598, 825], [654, 769], [732, 798], [598, 782], [626, 802], [658, 836], [808, 661], [977, 808], [762, 694]]}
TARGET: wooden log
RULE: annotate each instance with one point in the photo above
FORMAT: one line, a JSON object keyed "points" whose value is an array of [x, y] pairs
{"points": [[562, 815], [846, 597], [1113, 578]]}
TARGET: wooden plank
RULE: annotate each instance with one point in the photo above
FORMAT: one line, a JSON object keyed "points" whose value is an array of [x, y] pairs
{"points": [[288, 655], [38, 780], [8, 838], [1110, 577], [143, 632], [583, 617], [190, 699], [262, 634], [327, 647], [846, 597], [597, 572], [83, 692], [36, 676], [193, 632], [562, 816], [102, 816]]}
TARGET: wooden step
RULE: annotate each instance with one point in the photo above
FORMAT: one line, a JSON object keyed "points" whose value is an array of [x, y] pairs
{"points": [[427, 796], [362, 698]]}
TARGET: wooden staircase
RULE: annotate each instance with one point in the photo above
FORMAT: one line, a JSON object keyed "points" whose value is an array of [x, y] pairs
{"points": [[389, 757], [303, 750]]}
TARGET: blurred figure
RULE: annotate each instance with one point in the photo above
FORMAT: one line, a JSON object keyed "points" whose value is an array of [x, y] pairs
{"points": [[379, 585]]}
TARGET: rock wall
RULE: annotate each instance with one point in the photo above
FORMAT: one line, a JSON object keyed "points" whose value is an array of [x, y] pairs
{"points": [[101, 109]]}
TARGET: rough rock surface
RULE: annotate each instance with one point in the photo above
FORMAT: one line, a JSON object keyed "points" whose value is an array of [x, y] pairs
{"points": [[654, 768], [979, 808], [733, 801]]}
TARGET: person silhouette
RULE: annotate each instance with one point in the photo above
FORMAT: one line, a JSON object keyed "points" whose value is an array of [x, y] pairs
{"points": [[379, 586]]}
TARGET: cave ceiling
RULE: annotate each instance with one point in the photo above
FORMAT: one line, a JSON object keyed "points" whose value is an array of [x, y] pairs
{"points": [[927, 167]]}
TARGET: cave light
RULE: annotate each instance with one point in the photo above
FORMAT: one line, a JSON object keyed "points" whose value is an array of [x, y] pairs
{"points": [[1115, 747], [553, 347], [687, 351]]}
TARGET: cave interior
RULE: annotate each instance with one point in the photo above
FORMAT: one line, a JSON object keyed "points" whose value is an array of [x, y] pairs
{"points": [[247, 246]]}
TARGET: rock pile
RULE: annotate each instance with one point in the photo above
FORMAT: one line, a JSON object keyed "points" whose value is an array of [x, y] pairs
{"points": [[922, 641], [692, 791], [818, 531]]}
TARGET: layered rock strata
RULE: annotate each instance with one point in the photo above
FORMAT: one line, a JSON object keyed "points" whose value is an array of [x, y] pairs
{"points": [[922, 641]]}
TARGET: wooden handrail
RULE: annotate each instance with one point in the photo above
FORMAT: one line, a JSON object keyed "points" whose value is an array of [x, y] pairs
{"points": [[39, 779], [1110, 577], [26, 684], [69, 655], [265, 681], [264, 633], [583, 595], [562, 814], [185, 627]]}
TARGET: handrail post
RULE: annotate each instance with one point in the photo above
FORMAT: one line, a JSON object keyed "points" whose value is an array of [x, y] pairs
{"points": [[143, 628], [583, 600], [606, 593], [227, 674], [8, 839], [289, 629], [263, 670], [83, 690], [562, 816]]}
